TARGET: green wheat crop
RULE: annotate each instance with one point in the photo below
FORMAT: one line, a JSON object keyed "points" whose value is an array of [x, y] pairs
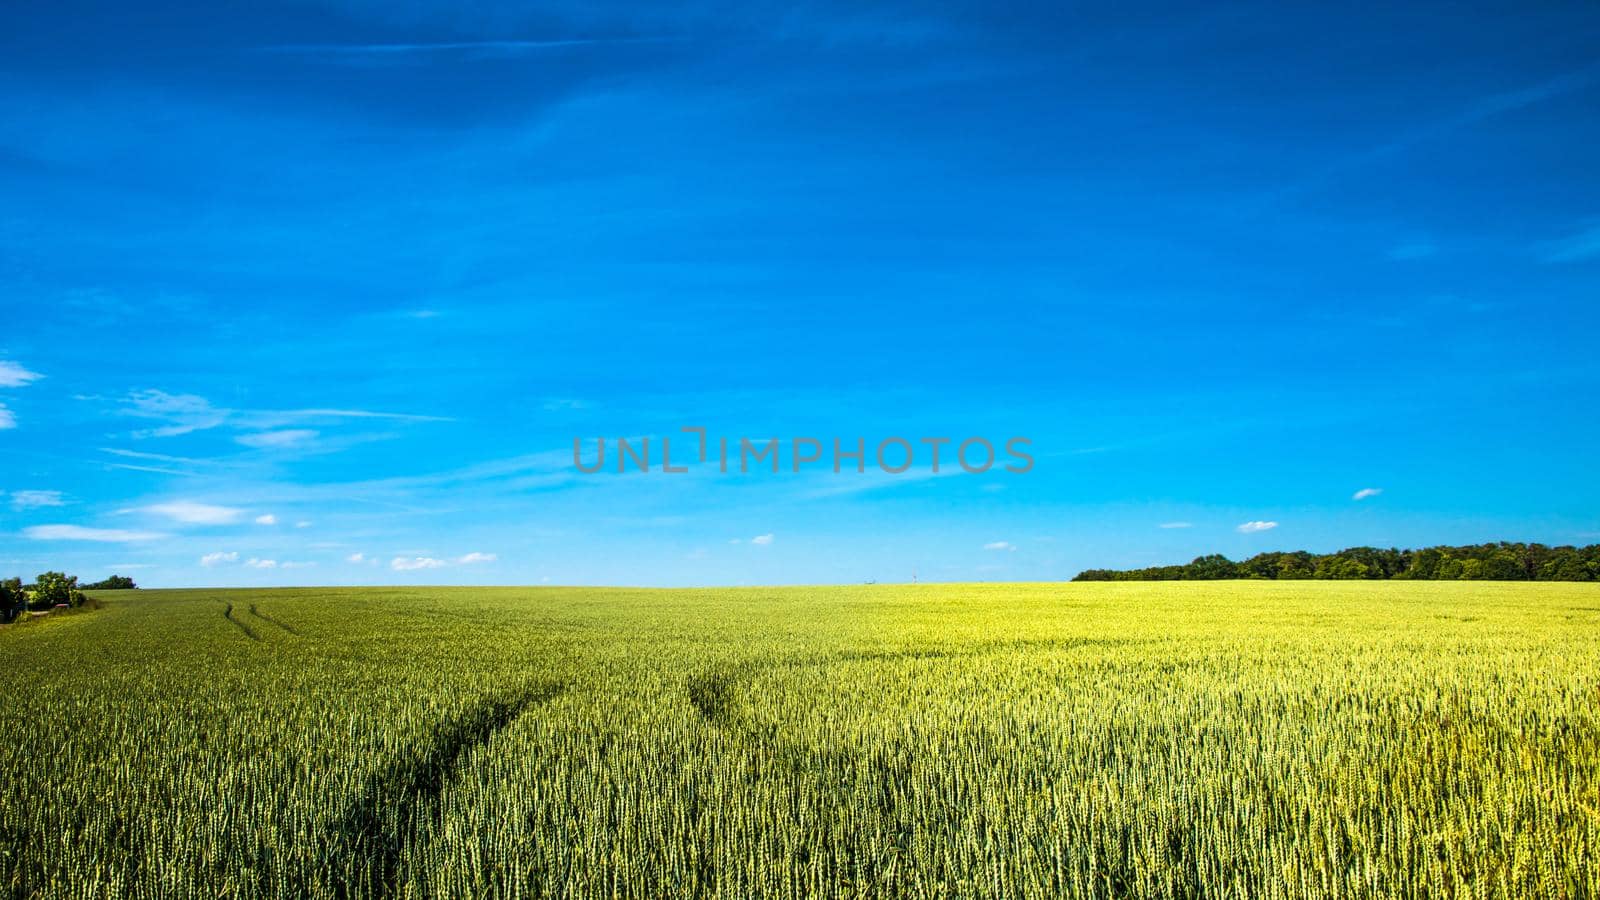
{"points": [[1229, 739]]}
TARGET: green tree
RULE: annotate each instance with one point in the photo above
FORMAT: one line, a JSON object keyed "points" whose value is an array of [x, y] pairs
{"points": [[1504, 561], [1343, 568], [1425, 563], [1298, 564], [1565, 564], [53, 588], [114, 583], [1212, 567], [12, 598], [1503, 565]]}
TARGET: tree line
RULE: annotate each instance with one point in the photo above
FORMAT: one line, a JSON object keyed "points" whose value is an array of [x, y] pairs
{"points": [[51, 589], [1501, 561]]}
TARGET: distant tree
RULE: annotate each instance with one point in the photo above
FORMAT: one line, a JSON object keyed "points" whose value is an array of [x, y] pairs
{"points": [[1212, 567], [1425, 563], [1497, 562], [1565, 564], [1298, 564], [1391, 563], [1262, 565], [12, 599], [114, 583], [53, 588], [1341, 568], [1502, 565], [1532, 559]]}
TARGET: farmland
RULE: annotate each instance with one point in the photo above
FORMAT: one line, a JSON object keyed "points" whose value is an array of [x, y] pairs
{"points": [[1249, 739]]}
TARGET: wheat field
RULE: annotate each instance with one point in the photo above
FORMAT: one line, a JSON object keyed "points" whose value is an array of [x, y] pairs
{"points": [[1224, 739]]}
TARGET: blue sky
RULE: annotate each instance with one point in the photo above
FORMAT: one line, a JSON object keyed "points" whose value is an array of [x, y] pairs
{"points": [[322, 293]]}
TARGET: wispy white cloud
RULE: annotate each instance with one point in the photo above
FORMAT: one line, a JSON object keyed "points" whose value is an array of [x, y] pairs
{"points": [[402, 51], [830, 484], [359, 558], [190, 513], [412, 563], [761, 540], [279, 417], [1364, 493], [211, 560], [1412, 250], [256, 563], [80, 533], [169, 465], [186, 413], [36, 499], [292, 564], [475, 557], [268, 519], [182, 413], [1483, 109], [1000, 545], [303, 523], [289, 437], [1577, 247], [1253, 527], [14, 375], [155, 457], [159, 470], [564, 404], [1176, 525]]}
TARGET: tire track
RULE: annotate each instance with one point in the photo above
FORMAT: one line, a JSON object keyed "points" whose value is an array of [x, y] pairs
{"points": [[271, 621], [227, 613], [370, 838]]}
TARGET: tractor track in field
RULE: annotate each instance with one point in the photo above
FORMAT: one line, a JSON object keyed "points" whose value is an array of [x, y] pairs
{"points": [[967, 651], [271, 621], [718, 693], [402, 795], [227, 613]]}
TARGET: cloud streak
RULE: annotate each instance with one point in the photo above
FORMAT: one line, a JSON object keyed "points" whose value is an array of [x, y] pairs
{"points": [[1576, 248], [190, 513], [36, 499], [98, 535], [1485, 108], [401, 51], [414, 563], [289, 437], [14, 375], [188, 413]]}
